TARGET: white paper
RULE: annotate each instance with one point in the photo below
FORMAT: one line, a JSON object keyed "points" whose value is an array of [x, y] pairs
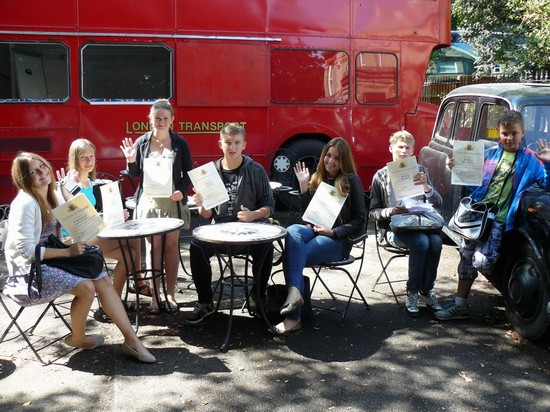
{"points": [[79, 218], [209, 184], [157, 177], [468, 163], [401, 173], [113, 211], [325, 206], [414, 205]]}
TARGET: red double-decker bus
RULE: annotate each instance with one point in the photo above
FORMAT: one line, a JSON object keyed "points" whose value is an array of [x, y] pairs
{"points": [[295, 73]]}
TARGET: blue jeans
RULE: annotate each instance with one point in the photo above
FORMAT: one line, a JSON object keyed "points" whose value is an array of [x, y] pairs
{"points": [[425, 251], [303, 248]]}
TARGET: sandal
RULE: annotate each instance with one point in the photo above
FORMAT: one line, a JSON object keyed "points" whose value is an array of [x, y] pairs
{"points": [[169, 307], [101, 316], [153, 310], [144, 290]]}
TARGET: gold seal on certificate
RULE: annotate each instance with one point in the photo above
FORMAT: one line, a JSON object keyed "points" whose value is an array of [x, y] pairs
{"points": [[468, 163], [79, 218], [325, 206], [208, 183], [401, 174]]}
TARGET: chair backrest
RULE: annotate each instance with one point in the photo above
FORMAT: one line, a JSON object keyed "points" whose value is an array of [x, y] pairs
{"points": [[3, 267], [3, 233], [4, 212], [360, 239]]}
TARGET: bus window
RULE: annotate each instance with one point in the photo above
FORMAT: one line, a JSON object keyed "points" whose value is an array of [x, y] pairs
{"points": [[309, 76], [488, 122], [112, 73], [34, 72], [376, 78]]}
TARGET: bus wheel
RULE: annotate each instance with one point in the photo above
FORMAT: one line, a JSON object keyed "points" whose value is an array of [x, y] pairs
{"points": [[526, 291], [282, 169]]}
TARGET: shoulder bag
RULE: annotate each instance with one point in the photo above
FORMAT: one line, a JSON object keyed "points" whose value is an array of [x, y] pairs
{"points": [[474, 220], [429, 220], [88, 265]]}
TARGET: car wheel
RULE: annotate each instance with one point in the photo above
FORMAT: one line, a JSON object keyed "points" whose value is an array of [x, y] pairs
{"points": [[282, 170], [526, 290]]}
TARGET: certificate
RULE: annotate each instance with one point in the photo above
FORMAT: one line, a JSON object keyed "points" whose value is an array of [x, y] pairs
{"points": [[79, 218], [468, 163], [325, 206], [157, 177], [401, 174], [209, 185], [113, 212]]}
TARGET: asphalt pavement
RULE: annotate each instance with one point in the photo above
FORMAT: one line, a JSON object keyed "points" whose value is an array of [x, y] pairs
{"points": [[380, 359]]}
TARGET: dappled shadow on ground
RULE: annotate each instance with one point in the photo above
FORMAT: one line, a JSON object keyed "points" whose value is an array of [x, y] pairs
{"points": [[7, 367], [108, 360]]}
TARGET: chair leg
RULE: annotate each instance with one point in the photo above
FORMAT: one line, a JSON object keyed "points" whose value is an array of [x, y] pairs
{"points": [[23, 333], [350, 297], [388, 282], [317, 272]]}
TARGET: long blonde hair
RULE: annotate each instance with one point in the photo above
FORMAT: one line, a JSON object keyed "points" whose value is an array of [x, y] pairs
{"points": [[21, 177], [77, 146], [347, 166]]}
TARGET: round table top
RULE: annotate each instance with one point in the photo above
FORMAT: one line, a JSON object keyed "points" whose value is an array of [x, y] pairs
{"points": [[239, 233], [141, 228]]}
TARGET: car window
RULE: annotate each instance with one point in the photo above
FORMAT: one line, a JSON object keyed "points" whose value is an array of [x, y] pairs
{"points": [[487, 128], [465, 120], [445, 125], [537, 124]]}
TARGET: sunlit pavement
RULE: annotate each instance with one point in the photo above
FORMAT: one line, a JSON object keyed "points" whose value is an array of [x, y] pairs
{"points": [[378, 360]]}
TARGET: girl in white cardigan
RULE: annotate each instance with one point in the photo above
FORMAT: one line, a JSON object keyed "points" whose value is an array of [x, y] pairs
{"points": [[30, 223]]}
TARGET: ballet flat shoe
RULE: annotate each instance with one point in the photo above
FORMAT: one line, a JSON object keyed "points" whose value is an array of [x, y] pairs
{"points": [[291, 306], [142, 357], [295, 329], [99, 340]]}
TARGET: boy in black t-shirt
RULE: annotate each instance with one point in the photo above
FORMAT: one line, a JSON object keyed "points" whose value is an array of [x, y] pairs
{"points": [[250, 199]]}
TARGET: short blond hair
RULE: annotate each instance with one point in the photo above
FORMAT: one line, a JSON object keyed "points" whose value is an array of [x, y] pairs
{"points": [[402, 135]]}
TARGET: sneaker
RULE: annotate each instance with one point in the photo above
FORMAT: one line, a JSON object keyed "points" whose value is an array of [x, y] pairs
{"points": [[200, 312], [411, 304], [452, 311], [430, 300]]}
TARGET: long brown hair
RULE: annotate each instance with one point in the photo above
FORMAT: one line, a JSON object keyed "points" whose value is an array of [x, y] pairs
{"points": [[21, 177], [77, 146], [347, 166]]}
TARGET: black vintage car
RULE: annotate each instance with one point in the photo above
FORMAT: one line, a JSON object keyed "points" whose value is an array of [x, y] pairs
{"points": [[522, 275]]}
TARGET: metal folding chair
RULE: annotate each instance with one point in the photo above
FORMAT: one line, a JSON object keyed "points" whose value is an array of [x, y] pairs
{"points": [[387, 253], [14, 318], [357, 254]]}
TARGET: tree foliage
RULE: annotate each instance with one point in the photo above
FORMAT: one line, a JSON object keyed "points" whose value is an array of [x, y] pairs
{"points": [[504, 31]]}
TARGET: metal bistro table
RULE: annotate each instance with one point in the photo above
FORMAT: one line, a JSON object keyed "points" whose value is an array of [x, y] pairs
{"points": [[236, 237], [141, 229]]}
